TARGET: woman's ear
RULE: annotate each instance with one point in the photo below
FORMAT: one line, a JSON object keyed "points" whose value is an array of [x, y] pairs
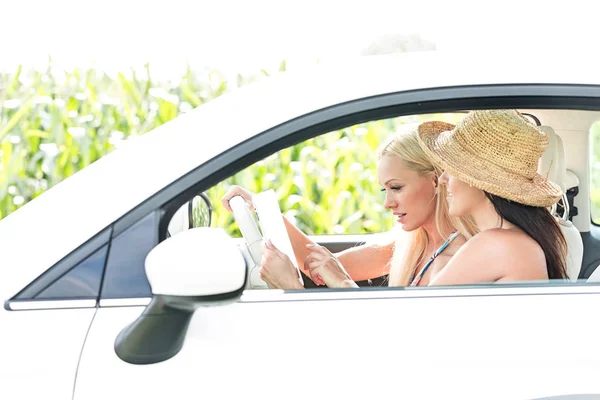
{"points": [[435, 181]]}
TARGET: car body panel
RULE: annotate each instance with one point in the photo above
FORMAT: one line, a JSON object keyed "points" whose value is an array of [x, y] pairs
{"points": [[39, 352], [418, 344]]}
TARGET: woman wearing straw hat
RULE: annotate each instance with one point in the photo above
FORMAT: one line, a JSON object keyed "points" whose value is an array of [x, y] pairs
{"points": [[490, 171], [427, 239]]}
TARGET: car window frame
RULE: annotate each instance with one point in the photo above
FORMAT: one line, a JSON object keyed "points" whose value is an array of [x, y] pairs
{"points": [[426, 101], [422, 101]]}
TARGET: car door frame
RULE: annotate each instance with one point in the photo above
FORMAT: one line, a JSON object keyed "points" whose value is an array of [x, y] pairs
{"points": [[166, 202]]}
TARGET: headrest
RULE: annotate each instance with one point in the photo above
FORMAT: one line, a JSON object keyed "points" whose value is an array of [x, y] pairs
{"points": [[552, 164], [572, 180]]}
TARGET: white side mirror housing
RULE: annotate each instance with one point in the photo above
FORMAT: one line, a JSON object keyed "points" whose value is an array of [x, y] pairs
{"points": [[196, 262], [196, 267]]}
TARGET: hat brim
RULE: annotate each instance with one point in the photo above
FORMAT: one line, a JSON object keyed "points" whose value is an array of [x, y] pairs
{"points": [[484, 175]]}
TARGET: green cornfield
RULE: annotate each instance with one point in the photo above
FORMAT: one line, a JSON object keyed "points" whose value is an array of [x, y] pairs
{"points": [[54, 123]]}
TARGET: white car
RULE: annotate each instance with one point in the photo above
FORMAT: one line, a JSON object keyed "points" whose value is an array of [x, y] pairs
{"points": [[85, 318]]}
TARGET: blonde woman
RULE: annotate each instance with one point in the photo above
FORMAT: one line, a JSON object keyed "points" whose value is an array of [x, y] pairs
{"points": [[427, 240]]}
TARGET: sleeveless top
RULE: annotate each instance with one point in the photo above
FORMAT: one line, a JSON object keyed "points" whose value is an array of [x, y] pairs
{"points": [[417, 277]]}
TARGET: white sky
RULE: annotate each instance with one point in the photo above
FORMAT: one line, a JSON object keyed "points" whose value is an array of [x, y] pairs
{"points": [[120, 33]]}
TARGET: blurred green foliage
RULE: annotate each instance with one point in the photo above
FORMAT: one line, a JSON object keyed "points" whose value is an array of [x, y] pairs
{"points": [[595, 172], [54, 123]]}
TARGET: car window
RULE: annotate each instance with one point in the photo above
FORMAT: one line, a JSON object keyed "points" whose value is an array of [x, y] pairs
{"points": [[326, 185], [75, 277], [125, 275], [81, 282], [595, 172]]}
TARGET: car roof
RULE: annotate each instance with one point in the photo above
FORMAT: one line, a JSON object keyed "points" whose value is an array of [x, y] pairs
{"points": [[48, 228]]}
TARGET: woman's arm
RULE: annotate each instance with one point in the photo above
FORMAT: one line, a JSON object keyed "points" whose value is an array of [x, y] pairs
{"points": [[367, 261], [361, 262]]}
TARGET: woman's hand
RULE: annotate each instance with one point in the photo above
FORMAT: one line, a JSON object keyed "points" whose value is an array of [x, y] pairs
{"points": [[277, 270], [325, 267], [236, 190]]}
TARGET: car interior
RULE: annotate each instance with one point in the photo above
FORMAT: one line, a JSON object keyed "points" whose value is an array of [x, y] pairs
{"points": [[569, 160]]}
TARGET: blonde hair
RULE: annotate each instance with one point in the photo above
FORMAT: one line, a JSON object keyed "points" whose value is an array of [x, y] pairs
{"points": [[410, 247]]}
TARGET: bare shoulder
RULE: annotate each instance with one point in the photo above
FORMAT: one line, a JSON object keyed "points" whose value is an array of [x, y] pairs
{"points": [[503, 240], [495, 254], [511, 252]]}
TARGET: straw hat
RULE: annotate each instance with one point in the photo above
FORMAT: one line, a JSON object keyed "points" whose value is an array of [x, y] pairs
{"points": [[496, 151]]}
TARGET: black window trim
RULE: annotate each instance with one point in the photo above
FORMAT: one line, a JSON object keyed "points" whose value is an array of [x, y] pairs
{"points": [[25, 299], [101, 254], [65, 265]]}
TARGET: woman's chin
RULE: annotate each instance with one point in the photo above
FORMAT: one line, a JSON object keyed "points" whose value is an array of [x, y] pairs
{"points": [[454, 211], [407, 227]]}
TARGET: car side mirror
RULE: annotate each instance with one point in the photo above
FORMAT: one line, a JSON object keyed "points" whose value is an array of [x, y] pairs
{"points": [[196, 267], [194, 213]]}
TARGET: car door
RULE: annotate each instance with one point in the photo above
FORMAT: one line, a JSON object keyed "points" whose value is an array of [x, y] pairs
{"points": [[475, 343], [44, 346], [373, 342]]}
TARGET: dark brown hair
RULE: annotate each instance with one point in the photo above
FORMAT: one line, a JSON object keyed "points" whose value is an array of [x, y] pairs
{"points": [[541, 226]]}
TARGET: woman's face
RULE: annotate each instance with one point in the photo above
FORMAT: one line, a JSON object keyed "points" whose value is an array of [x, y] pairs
{"points": [[462, 199], [410, 196]]}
